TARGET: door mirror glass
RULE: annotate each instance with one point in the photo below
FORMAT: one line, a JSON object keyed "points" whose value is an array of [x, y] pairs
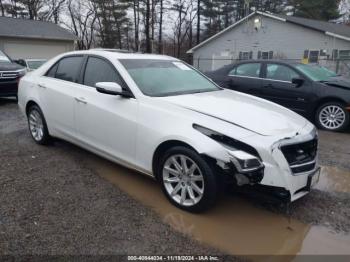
{"points": [[298, 82], [110, 88]]}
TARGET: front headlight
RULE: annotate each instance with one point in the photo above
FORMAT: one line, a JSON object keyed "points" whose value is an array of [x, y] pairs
{"points": [[21, 72], [244, 162], [245, 158]]}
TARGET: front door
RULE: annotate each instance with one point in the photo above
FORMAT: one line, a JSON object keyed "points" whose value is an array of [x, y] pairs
{"points": [[246, 78], [106, 123], [278, 88]]}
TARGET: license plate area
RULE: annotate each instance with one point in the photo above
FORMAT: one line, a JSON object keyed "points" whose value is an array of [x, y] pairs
{"points": [[313, 179]]}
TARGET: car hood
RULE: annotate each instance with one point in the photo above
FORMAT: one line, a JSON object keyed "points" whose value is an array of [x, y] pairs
{"points": [[248, 112], [6, 66], [338, 81]]}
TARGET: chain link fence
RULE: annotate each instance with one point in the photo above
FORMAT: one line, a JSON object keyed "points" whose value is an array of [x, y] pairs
{"points": [[340, 66]]}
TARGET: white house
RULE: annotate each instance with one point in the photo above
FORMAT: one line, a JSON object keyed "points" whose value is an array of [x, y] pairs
{"points": [[22, 38], [266, 36]]}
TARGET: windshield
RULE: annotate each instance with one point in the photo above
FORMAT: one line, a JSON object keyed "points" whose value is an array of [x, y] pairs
{"points": [[3, 57], [316, 73], [35, 64], [166, 78]]}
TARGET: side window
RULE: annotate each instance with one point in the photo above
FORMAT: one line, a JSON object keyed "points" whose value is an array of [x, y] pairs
{"points": [[250, 70], [98, 70], [280, 72], [68, 68]]}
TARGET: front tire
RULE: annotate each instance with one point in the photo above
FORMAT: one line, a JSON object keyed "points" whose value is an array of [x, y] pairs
{"points": [[332, 116], [187, 180], [37, 126]]}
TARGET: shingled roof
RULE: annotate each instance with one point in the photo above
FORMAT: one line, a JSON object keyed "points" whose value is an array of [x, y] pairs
{"points": [[339, 29], [25, 28], [336, 30]]}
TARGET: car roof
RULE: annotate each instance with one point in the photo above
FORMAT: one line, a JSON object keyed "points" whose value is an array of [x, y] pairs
{"points": [[121, 54], [289, 62], [34, 59]]}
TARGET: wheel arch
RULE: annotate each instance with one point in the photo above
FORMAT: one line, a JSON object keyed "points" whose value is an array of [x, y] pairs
{"points": [[29, 104], [165, 145], [327, 100], [162, 148]]}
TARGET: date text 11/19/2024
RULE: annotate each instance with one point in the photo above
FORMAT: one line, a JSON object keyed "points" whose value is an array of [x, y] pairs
{"points": [[173, 258]]}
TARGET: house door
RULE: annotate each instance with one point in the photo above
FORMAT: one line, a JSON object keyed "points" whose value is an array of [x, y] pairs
{"points": [[313, 56]]}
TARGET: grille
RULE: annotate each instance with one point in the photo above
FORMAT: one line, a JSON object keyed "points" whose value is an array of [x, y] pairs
{"points": [[8, 75], [301, 157]]}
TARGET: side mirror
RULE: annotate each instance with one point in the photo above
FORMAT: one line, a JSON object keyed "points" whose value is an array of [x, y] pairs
{"points": [[111, 88], [298, 82]]}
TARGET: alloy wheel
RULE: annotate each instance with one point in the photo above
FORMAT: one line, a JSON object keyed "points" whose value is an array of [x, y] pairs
{"points": [[332, 117], [183, 180], [36, 125]]}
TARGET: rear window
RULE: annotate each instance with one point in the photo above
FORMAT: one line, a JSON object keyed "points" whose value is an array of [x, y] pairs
{"points": [[67, 69]]}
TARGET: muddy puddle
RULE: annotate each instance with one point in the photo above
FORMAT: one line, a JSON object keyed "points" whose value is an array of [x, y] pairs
{"points": [[334, 180], [234, 226]]}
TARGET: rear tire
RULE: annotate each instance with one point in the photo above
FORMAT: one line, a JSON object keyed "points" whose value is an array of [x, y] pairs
{"points": [[332, 116], [37, 126], [190, 183]]}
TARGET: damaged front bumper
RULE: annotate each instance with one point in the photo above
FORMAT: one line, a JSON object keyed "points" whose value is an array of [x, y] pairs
{"points": [[288, 168]]}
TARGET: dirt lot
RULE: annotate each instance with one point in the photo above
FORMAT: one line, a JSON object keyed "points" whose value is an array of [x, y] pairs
{"points": [[63, 200]]}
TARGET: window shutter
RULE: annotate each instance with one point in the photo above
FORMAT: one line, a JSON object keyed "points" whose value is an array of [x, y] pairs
{"points": [[306, 54], [251, 55], [240, 55], [271, 55], [259, 55]]}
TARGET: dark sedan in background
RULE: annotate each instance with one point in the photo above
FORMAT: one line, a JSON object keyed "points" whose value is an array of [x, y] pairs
{"points": [[310, 90], [10, 74]]}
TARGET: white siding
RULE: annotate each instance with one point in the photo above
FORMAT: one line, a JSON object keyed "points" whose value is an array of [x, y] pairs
{"points": [[19, 48], [288, 41]]}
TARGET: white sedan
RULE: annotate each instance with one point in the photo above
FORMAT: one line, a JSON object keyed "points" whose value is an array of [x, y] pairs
{"points": [[161, 117]]}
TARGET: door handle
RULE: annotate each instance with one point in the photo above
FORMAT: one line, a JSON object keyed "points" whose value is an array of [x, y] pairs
{"points": [[81, 100], [301, 99], [42, 86], [268, 85]]}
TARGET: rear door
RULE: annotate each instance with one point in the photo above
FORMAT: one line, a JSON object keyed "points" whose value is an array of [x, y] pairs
{"points": [[57, 92], [104, 122], [278, 87], [246, 78]]}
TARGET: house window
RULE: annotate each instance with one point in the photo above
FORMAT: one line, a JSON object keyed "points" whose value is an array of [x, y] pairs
{"points": [[245, 55], [265, 55], [344, 54]]}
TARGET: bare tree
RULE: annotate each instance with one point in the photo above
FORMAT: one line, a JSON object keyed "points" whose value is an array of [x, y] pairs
{"points": [[54, 8], [83, 21], [160, 33], [136, 11], [183, 24], [147, 26], [198, 21]]}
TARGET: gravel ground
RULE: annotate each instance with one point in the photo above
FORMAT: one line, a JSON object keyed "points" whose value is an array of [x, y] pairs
{"points": [[50, 203]]}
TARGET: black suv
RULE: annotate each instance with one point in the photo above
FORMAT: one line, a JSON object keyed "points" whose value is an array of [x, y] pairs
{"points": [[310, 90], [10, 73]]}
